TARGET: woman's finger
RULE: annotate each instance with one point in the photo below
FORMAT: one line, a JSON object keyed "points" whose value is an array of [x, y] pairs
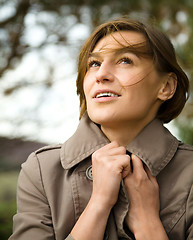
{"points": [[137, 165], [150, 176], [126, 166]]}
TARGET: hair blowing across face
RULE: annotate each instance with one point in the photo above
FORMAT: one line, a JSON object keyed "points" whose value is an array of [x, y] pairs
{"points": [[162, 53]]}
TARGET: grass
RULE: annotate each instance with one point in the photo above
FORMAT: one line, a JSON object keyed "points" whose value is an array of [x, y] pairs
{"points": [[8, 185]]}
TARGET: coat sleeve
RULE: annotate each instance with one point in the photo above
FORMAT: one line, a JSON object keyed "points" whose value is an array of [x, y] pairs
{"points": [[33, 220], [189, 216]]}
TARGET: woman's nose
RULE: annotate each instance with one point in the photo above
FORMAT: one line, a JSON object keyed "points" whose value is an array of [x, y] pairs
{"points": [[104, 73]]}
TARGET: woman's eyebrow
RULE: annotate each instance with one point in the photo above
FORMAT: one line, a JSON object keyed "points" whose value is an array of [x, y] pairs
{"points": [[125, 50], [116, 52], [95, 55]]}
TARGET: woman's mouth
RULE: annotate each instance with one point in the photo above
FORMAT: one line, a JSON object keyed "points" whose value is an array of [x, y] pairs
{"points": [[105, 96]]}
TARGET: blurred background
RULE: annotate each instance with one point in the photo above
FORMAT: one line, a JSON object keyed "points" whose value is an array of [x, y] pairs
{"points": [[39, 46]]}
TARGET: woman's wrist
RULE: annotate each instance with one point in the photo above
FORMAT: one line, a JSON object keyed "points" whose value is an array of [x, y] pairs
{"points": [[150, 230], [101, 202], [92, 220], [99, 207]]}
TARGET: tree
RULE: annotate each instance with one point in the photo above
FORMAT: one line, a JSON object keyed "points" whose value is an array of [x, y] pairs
{"points": [[34, 27]]}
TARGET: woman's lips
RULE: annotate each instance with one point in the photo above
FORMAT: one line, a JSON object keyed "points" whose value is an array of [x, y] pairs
{"points": [[105, 95]]}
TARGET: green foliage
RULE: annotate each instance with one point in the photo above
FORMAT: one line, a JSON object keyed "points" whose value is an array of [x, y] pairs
{"points": [[7, 210], [8, 182], [175, 18], [62, 15], [186, 133]]}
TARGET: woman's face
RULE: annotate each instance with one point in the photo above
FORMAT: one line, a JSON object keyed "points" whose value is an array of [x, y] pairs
{"points": [[121, 87]]}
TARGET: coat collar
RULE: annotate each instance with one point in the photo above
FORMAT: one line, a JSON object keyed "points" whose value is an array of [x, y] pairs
{"points": [[86, 140], [155, 145]]}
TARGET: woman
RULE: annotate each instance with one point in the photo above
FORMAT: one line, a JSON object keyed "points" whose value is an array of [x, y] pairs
{"points": [[122, 175]]}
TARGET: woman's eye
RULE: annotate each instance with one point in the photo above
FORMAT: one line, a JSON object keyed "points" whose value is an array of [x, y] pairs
{"points": [[94, 64], [126, 61]]}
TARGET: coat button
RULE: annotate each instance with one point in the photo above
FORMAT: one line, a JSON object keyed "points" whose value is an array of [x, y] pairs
{"points": [[89, 173]]}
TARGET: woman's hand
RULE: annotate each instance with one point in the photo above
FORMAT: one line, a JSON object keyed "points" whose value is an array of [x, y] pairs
{"points": [[110, 164], [143, 193]]}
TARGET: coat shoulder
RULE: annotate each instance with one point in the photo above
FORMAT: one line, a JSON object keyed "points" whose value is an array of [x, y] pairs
{"points": [[48, 155], [184, 146], [185, 157], [186, 151], [48, 148]]}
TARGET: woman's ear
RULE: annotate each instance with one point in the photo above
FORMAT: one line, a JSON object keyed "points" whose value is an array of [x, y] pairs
{"points": [[168, 87]]}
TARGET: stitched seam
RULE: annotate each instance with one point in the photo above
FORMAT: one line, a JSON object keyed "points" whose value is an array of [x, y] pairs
{"points": [[176, 218], [85, 154], [186, 147], [170, 153], [188, 196], [166, 158], [75, 196], [51, 147], [41, 177]]}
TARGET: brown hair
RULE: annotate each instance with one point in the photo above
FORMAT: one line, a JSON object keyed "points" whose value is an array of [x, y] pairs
{"points": [[162, 52]]}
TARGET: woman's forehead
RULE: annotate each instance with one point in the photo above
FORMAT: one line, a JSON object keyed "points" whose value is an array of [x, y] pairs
{"points": [[123, 42], [119, 40]]}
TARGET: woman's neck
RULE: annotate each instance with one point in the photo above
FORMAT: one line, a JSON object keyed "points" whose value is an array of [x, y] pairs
{"points": [[123, 134]]}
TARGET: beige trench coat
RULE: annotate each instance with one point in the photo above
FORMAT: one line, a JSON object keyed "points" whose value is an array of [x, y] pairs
{"points": [[54, 189]]}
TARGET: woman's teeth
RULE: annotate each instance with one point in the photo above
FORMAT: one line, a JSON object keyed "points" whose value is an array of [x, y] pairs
{"points": [[107, 94]]}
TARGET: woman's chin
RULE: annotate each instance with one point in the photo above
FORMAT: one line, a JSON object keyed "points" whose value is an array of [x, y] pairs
{"points": [[104, 119]]}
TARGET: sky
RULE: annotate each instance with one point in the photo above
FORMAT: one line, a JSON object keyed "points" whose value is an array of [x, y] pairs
{"points": [[36, 112]]}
